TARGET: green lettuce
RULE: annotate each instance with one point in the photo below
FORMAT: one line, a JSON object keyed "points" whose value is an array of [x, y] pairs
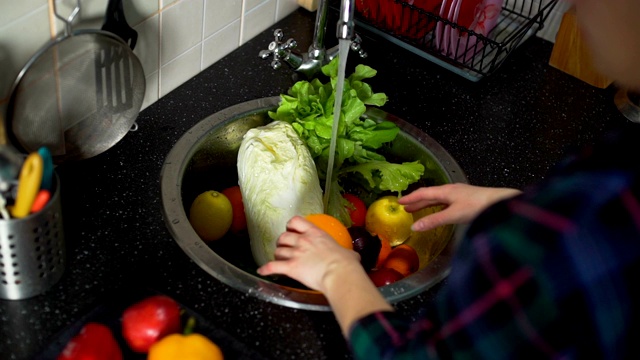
{"points": [[308, 107]]}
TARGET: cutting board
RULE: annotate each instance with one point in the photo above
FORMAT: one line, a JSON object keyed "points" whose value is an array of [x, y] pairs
{"points": [[311, 5], [572, 55]]}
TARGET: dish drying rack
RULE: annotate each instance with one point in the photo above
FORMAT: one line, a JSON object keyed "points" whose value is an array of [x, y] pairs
{"points": [[415, 30]]}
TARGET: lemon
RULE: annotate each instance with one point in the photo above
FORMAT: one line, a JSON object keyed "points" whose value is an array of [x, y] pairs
{"points": [[389, 220], [211, 215]]}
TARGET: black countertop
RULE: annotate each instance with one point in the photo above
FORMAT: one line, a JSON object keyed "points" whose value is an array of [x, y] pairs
{"points": [[506, 130]]}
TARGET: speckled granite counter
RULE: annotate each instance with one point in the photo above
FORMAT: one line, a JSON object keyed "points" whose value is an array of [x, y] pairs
{"points": [[506, 130]]}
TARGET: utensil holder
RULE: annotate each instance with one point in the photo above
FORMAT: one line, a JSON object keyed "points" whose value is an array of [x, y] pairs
{"points": [[32, 251]]}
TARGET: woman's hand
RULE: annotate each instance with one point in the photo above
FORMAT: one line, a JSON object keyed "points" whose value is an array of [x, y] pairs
{"points": [[462, 203], [309, 255]]}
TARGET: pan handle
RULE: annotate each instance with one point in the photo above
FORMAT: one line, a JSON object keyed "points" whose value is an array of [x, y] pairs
{"points": [[115, 22]]}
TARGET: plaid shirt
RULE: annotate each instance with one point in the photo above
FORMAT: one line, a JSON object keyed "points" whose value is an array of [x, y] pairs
{"points": [[552, 273]]}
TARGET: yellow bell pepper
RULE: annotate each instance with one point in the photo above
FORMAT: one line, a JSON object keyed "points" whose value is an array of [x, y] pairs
{"points": [[189, 346]]}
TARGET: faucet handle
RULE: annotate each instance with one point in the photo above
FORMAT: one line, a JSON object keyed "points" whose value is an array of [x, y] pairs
{"points": [[279, 49], [356, 45]]}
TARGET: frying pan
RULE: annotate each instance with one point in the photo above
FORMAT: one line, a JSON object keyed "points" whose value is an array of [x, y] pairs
{"points": [[78, 95]]}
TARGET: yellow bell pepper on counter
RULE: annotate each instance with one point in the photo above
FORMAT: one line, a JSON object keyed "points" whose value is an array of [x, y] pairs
{"points": [[187, 346]]}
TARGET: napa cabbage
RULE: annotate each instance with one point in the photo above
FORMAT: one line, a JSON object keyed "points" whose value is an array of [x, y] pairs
{"points": [[278, 179]]}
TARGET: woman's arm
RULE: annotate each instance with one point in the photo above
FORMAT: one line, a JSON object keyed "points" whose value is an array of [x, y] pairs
{"points": [[309, 255]]}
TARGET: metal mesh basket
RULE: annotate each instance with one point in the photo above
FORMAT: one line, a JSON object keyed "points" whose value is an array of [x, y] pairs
{"points": [[32, 251], [472, 55]]}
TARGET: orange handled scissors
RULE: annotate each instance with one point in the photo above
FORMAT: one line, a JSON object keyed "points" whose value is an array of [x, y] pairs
{"points": [[28, 185]]}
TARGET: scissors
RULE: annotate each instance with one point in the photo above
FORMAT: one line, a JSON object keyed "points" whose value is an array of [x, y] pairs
{"points": [[3, 208], [28, 185], [47, 168]]}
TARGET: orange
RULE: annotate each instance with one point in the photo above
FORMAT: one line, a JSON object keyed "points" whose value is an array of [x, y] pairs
{"points": [[404, 259], [333, 227], [239, 222], [385, 250]]}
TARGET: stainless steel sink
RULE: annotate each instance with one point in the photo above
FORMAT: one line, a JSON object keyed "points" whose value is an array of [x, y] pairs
{"points": [[205, 159]]}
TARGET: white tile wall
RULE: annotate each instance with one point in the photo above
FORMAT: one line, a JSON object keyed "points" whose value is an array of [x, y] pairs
{"points": [[19, 40], [176, 38], [217, 18], [256, 18], [220, 43]]}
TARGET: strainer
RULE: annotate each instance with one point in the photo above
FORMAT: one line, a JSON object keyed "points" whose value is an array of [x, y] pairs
{"points": [[78, 95]]}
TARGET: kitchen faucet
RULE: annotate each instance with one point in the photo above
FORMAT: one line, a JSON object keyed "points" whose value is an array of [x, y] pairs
{"points": [[317, 56]]}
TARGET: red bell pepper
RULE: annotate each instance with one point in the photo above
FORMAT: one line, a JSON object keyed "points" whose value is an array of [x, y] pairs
{"points": [[95, 341], [149, 320]]}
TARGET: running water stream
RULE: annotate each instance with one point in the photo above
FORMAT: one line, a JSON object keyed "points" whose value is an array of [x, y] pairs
{"points": [[343, 52]]}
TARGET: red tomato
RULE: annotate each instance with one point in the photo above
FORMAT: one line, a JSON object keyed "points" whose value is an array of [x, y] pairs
{"points": [[94, 341], [384, 276], [404, 259], [239, 222], [359, 213], [149, 320]]}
